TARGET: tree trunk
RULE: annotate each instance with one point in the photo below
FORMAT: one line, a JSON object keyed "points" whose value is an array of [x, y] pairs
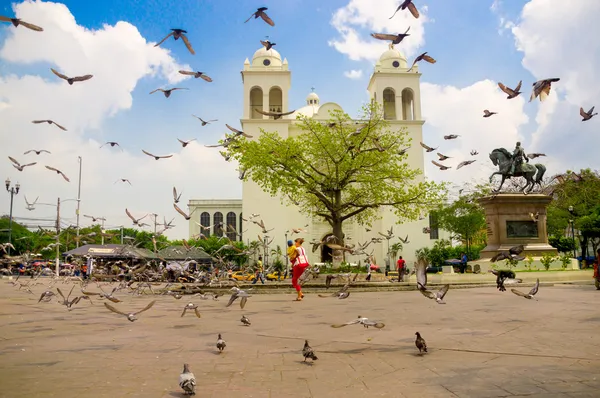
{"points": [[337, 255]]}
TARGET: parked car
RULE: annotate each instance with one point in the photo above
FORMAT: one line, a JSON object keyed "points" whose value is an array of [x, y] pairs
{"points": [[275, 276], [243, 276]]}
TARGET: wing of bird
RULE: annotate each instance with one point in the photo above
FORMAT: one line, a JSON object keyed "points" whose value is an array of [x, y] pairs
{"points": [[518, 293], [15, 161], [266, 18], [59, 126], [113, 309], [146, 308], [429, 59], [397, 9], [354, 322], [82, 78], [59, 74], [425, 146], [175, 197], [130, 216], [187, 217], [61, 293], [31, 26], [441, 166], [413, 10], [500, 256], [518, 86], [535, 288], [166, 37], [233, 297], [187, 44], [149, 154], [243, 302], [442, 292], [582, 112], [420, 270], [90, 293], [428, 294], [158, 89], [504, 88], [384, 36]]}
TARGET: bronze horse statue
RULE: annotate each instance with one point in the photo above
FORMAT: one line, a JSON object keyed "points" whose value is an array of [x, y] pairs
{"points": [[533, 174]]}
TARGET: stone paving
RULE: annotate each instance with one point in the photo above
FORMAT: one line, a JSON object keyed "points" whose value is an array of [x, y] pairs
{"points": [[483, 343]]}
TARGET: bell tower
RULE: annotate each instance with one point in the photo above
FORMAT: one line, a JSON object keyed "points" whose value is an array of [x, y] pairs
{"points": [[267, 81]]}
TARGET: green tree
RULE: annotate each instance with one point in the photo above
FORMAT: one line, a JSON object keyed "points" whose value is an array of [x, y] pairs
{"points": [[339, 170], [464, 218]]}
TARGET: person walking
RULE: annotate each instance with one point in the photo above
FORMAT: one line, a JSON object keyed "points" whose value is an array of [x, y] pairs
{"points": [[401, 265], [300, 265], [259, 271], [596, 273], [463, 263]]}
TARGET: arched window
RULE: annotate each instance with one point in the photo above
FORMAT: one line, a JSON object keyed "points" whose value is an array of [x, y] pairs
{"points": [[205, 222], [256, 102], [217, 229], [231, 222], [389, 104], [408, 104], [275, 100], [240, 229]]}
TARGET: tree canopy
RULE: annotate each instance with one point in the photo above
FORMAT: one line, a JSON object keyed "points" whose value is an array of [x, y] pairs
{"points": [[463, 218], [339, 170]]}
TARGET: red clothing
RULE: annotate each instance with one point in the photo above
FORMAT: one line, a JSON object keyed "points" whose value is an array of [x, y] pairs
{"points": [[596, 270], [401, 264], [297, 272]]}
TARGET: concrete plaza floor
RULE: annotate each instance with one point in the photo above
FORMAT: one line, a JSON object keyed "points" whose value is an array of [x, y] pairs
{"points": [[483, 343]]}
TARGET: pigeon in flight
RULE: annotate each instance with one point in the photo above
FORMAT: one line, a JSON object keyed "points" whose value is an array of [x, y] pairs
{"points": [[361, 321], [395, 39], [411, 7], [72, 80], [59, 172], [487, 113], [20, 166], [238, 293], [191, 306], [37, 152], [168, 92], [17, 21], [465, 163], [260, 13], [541, 88], [178, 33], [132, 316], [276, 115], [157, 157], [205, 122], [587, 115], [511, 93], [422, 57], [427, 148], [49, 122], [531, 293], [437, 296], [268, 45], [196, 75]]}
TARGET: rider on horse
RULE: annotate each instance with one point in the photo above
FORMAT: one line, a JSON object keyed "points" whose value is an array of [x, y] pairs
{"points": [[518, 156]]}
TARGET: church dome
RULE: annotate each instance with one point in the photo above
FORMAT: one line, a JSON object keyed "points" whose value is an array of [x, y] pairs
{"points": [[392, 58], [312, 99], [262, 57]]}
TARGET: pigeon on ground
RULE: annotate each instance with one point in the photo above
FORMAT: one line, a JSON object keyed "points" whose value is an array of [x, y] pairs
{"points": [[437, 296], [187, 381], [191, 306], [307, 352], [221, 343], [531, 293], [245, 320], [132, 315], [420, 343]]}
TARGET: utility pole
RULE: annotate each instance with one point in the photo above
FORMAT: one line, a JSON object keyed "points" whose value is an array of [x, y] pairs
{"points": [[78, 198], [57, 237], [121, 234], [155, 223], [102, 231], [13, 191]]}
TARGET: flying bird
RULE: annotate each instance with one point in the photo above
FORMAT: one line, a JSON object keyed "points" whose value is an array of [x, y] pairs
{"points": [[420, 343], [187, 381], [132, 316], [185, 143], [395, 39], [167, 93], [238, 132], [531, 293], [276, 115], [191, 306], [268, 45], [30, 206], [20, 166], [511, 93], [542, 88], [135, 221], [441, 166], [157, 157], [37, 152], [112, 144], [177, 33], [535, 155], [262, 14], [474, 152], [183, 213], [196, 75], [205, 122], [17, 21], [587, 115], [361, 321], [465, 163], [123, 180], [437, 296], [221, 343], [49, 122], [176, 197], [422, 57], [503, 276], [46, 296], [442, 157], [487, 113], [72, 80], [427, 148], [510, 254], [307, 352], [411, 7], [59, 172], [534, 217], [95, 219], [238, 293], [451, 137]]}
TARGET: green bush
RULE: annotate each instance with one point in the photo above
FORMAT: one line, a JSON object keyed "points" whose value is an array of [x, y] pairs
{"points": [[528, 262], [562, 243], [442, 251], [565, 260], [547, 260]]}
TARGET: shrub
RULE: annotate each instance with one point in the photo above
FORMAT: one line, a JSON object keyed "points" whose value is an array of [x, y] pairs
{"points": [[528, 262], [562, 243], [547, 260], [565, 260]]}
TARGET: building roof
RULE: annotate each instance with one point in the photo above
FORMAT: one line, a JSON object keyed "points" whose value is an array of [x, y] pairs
{"points": [[111, 251], [387, 59], [181, 253], [272, 57]]}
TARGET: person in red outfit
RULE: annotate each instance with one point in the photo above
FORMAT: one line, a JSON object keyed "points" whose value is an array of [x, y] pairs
{"points": [[401, 264], [300, 265], [596, 274]]}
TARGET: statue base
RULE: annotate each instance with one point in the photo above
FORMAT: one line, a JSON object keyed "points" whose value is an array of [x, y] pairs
{"points": [[510, 223]]}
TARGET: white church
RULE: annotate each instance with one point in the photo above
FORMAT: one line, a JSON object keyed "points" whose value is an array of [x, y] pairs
{"points": [[266, 85]]}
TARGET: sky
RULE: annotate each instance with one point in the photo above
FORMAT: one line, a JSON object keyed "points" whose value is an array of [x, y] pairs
{"points": [[477, 43]]}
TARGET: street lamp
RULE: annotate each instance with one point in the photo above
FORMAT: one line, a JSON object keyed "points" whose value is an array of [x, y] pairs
{"points": [[13, 191], [572, 222]]}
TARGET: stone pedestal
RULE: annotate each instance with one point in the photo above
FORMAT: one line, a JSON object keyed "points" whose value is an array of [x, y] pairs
{"points": [[509, 224]]}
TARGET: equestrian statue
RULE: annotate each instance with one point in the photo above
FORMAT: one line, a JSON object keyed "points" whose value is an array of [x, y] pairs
{"points": [[516, 164]]}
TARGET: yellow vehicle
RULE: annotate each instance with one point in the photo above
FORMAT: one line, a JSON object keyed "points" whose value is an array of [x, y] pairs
{"points": [[275, 276], [242, 276]]}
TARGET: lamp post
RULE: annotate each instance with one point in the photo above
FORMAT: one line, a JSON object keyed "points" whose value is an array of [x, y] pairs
{"points": [[13, 191], [572, 222], [78, 198], [286, 253]]}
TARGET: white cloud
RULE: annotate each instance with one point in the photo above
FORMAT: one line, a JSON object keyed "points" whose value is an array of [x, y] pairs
{"points": [[573, 54], [357, 20], [354, 74], [451, 110], [118, 57]]}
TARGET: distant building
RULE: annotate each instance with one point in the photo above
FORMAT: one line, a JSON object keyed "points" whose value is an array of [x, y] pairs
{"points": [[266, 84]]}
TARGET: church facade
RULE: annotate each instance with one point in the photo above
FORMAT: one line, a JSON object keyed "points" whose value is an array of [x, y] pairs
{"points": [[266, 84]]}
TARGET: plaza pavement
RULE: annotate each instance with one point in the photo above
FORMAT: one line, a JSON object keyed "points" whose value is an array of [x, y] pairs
{"points": [[483, 343]]}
